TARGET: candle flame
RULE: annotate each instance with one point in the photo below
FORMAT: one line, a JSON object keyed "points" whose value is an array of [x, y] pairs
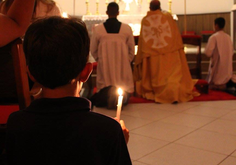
{"points": [[120, 91], [64, 15]]}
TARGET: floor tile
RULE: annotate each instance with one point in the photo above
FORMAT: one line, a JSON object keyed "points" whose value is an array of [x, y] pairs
{"points": [[222, 126], [138, 163], [192, 133], [140, 146], [174, 154], [134, 122], [230, 116], [229, 161], [231, 104], [195, 121], [149, 113], [163, 131], [234, 154], [177, 107], [210, 141], [207, 111]]}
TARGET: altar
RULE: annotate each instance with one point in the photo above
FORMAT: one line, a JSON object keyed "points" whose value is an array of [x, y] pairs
{"points": [[134, 21]]}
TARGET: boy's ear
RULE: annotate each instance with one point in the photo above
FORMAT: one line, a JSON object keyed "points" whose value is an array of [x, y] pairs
{"points": [[30, 75], [84, 75], [216, 27]]}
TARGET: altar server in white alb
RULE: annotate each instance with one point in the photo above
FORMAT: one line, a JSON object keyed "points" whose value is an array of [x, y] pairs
{"points": [[112, 46], [220, 49]]}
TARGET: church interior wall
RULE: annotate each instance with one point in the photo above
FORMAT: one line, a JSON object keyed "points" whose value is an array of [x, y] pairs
{"points": [[203, 22], [192, 6], [200, 13]]}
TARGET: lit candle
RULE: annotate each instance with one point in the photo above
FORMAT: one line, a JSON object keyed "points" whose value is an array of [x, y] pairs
{"points": [[119, 105], [97, 1], [64, 15], [87, 1]]}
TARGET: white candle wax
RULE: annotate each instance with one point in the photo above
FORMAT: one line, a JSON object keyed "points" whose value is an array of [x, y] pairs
{"points": [[119, 105]]}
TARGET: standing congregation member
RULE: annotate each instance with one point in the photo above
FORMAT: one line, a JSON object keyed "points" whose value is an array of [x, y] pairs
{"points": [[42, 8], [15, 22], [161, 72], [12, 25], [112, 46], [220, 49], [59, 128], [46, 8]]}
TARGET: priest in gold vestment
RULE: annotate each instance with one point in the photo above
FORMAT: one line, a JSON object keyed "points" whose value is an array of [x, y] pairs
{"points": [[161, 72]]}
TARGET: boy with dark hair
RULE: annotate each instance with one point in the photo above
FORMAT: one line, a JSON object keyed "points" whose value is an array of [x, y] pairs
{"points": [[220, 22], [220, 49], [59, 128]]}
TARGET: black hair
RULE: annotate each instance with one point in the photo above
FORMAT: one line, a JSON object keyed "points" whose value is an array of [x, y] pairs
{"points": [[220, 22], [112, 9], [155, 5], [56, 50]]}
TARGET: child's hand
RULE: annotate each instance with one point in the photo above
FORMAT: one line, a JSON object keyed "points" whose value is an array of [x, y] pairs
{"points": [[124, 129]]}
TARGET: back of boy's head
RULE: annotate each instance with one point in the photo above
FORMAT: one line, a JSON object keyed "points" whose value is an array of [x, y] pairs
{"points": [[220, 22], [56, 50]]}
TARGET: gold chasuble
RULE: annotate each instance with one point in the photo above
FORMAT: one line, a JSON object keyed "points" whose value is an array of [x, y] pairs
{"points": [[161, 72]]}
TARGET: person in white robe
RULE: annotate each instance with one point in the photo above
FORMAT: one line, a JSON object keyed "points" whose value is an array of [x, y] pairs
{"points": [[112, 46], [220, 49]]}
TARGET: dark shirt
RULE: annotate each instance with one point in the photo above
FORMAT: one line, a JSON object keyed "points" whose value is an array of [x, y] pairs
{"points": [[112, 25], [64, 131]]}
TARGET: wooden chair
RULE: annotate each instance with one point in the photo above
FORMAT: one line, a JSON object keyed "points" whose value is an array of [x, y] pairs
{"points": [[18, 87], [22, 87], [21, 77], [196, 41]]}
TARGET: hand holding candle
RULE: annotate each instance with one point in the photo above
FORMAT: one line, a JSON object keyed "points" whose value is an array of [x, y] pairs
{"points": [[119, 105]]}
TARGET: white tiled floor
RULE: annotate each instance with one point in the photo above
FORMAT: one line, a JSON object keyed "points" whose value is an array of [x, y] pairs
{"points": [[193, 133]]}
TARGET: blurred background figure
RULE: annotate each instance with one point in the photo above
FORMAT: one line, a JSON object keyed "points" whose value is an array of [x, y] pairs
{"points": [[46, 8], [220, 50], [42, 8]]}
